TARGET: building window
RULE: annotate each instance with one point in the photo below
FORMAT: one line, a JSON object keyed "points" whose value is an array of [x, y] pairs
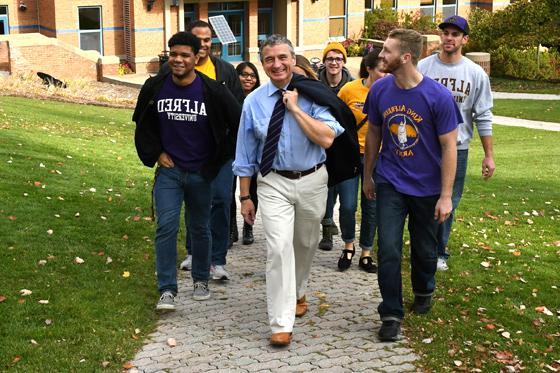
{"points": [[368, 5], [4, 29], [190, 13], [449, 8], [337, 19], [428, 8], [90, 28], [265, 21]]}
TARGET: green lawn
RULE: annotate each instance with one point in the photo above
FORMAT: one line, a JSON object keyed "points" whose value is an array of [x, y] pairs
{"points": [[540, 110], [72, 186], [524, 86], [505, 251]]}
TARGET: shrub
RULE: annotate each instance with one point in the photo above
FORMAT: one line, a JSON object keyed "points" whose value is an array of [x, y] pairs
{"points": [[379, 22], [525, 64]]}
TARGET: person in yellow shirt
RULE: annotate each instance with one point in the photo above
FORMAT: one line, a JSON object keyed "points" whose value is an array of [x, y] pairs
{"points": [[354, 94]]}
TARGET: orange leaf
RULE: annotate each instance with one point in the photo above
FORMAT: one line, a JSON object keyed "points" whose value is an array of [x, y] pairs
{"points": [[136, 218], [37, 183], [490, 326], [128, 365], [516, 253], [16, 359], [2, 298], [12, 217]]}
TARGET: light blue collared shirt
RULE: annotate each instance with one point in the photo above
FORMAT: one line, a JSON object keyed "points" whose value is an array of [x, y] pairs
{"points": [[295, 151]]}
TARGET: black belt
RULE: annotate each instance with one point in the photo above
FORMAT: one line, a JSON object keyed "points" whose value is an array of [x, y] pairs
{"points": [[297, 174]]}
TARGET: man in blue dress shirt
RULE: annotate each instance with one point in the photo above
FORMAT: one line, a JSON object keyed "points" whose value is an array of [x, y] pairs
{"points": [[292, 195]]}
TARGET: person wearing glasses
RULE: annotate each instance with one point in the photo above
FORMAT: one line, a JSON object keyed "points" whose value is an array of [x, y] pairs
{"points": [[249, 79], [335, 75]]}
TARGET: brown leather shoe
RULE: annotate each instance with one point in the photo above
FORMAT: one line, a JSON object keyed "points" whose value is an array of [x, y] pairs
{"points": [[280, 339], [301, 307]]}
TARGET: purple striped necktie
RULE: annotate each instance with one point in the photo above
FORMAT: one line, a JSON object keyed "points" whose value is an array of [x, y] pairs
{"points": [[273, 135]]}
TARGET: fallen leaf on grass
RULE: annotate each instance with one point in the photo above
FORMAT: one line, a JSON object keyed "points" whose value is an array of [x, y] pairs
{"points": [[44, 301], [78, 260], [126, 274], [42, 262], [16, 359], [506, 335], [48, 322], [105, 364], [2, 298], [33, 342], [543, 309], [427, 340], [504, 356], [490, 326], [516, 253], [171, 342], [109, 260], [136, 218], [25, 292], [458, 363], [50, 232], [128, 365], [485, 264], [12, 217]]}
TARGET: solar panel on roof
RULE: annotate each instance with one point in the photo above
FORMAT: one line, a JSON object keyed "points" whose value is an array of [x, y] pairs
{"points": [[222, 29]]}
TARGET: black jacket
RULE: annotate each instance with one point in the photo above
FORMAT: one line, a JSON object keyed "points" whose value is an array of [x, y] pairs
{"points": [[346, 77], [223, 112], [225, 74], [343, 157]]}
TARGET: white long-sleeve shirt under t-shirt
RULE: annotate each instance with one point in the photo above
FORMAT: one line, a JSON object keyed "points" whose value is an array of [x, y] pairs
{"points": [[470, 87]]}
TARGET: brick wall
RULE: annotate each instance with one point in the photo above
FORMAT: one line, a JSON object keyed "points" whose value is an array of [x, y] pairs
{"points": [[4, 56], [30, 53]]}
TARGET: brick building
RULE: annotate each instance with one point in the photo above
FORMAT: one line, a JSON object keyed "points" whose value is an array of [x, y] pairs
{"points": [[136, 30]]}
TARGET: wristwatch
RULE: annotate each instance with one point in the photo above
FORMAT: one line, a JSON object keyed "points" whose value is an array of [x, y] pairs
{"points": [[244, 198]]}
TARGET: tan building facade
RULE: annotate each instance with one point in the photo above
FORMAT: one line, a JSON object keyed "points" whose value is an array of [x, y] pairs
{"points": [[136, 31]]}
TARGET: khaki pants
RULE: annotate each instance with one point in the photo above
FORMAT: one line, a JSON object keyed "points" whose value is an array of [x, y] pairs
{"points": [[291, 212]]}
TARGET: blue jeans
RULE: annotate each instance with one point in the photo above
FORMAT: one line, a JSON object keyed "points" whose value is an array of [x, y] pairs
{"points": [[445, 229], [368, 225], [220, 214], [347, 191], [172, 188], [392, 209]]}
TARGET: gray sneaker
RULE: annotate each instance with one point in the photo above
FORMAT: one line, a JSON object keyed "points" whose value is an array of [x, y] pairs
{"points": [[219, 272], [201, 291], [166, 302], [186, 264]]}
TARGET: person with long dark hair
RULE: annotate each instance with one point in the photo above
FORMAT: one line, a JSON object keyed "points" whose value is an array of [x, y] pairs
{"points": [[354, 95], [249, 79]]}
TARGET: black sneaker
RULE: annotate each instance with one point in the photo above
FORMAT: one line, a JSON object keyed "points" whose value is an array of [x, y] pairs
{"points": [[248, 238], [326, 242], [390, 331], [421, 305]]}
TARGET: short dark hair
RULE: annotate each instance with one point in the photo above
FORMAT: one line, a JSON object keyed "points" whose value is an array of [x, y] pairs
{"points": [[370, 60], [185, 38], [197, 23], [239, 68]]}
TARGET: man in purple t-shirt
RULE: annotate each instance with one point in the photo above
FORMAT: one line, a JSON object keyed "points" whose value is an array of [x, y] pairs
{"points": [[184, 121], [414, 120]]}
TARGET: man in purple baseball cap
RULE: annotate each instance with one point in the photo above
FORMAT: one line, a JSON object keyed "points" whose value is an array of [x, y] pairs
{"points": [[470, 87], [456, 21]]}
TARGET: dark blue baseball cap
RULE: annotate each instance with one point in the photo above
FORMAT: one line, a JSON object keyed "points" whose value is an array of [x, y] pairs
{"points": [[456, 21]]}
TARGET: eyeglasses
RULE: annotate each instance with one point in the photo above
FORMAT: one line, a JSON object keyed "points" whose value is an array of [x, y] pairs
{"points": [[334, 59], [248, 76]]}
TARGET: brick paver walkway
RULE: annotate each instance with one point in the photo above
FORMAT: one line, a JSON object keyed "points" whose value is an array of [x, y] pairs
{"points": [[230, 332]]}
